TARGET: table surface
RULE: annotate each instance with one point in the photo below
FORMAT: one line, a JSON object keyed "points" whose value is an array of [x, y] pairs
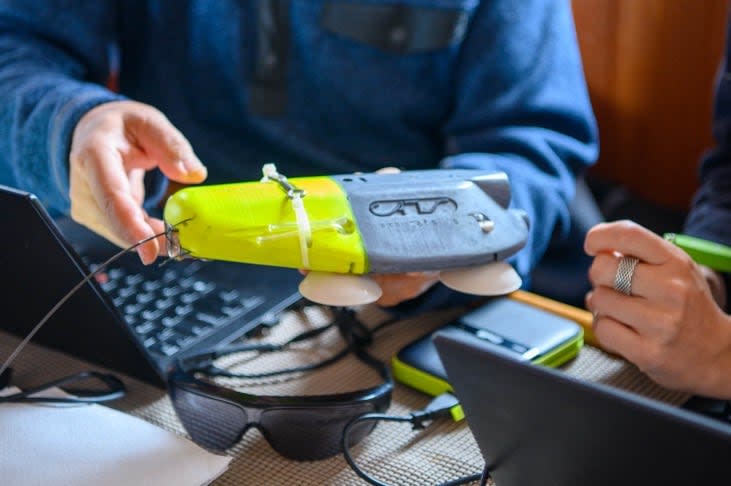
{"points": [[392, 452]]}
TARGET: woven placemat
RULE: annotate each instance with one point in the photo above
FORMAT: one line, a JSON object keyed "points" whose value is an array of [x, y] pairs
{"points": [[393, 452]]}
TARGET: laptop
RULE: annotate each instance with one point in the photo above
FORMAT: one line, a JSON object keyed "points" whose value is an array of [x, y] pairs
{"points": [[133, 318], [536, 425]]}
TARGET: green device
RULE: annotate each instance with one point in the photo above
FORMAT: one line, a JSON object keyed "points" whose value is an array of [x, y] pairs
{"points": [[512, 327], [711, 254]]}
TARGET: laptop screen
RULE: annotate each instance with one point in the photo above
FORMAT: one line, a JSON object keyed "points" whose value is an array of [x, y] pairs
{"points": [[136, 319], [535, 425]]}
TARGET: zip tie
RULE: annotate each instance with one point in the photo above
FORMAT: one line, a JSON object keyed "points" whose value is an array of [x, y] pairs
{"points": [[295, 195], [269, 172], [304, 229]]}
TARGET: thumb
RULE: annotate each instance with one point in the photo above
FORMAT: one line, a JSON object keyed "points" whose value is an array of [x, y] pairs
{"points": [[164, 143]]}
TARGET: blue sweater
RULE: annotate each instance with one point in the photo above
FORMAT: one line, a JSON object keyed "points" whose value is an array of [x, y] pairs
{"points": [[315, 86]]}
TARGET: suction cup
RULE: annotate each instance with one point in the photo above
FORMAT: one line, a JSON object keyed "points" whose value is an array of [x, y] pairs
{"points": [[497, 278], [338, 289]]}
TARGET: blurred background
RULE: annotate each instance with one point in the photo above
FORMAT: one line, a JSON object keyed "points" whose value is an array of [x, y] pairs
{"points": [[651, 67]]}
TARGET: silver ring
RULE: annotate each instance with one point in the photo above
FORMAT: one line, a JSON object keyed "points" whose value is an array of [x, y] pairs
{"points": [[625, 272]]}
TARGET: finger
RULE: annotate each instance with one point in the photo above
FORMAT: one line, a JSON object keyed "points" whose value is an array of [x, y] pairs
{"points": [[617, 338], [393, 289], [85, 211], [424, 275], [158, 138], [603, 271], [408, 282], [134, 157], [137, 185], [158, 227], [716, 283], [628, 238], [400, 287], [637, 313], [107, 179]]}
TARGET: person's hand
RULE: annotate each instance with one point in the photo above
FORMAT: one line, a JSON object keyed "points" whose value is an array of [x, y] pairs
{"points": [[670, 326], [112, 147], [716, 284], [399, 287]]}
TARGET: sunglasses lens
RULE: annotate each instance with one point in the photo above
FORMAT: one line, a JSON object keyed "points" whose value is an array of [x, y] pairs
{"points": [[213, 424], [311, 434]]}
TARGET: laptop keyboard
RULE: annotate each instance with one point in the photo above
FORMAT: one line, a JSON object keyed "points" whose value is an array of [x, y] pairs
{"points": [[176, 306]]}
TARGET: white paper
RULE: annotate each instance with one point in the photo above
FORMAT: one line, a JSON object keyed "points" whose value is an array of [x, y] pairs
{"points": [[96, 445]]}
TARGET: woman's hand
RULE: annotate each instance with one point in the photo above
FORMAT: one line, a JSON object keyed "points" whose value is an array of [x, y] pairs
{"points": [[112, 148], [670, 326]]}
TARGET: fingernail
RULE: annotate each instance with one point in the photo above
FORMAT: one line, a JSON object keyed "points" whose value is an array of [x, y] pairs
{"points": [[193, 171], [147, 255], [194, 166], [143, 256]]}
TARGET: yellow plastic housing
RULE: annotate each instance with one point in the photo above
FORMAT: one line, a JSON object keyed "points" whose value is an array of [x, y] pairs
{"points": [[255, 222]]}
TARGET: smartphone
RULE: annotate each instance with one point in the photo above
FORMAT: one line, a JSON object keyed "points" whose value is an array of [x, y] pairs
{"points": [[512, 327]]}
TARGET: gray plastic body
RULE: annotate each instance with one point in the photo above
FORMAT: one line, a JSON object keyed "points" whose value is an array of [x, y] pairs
{"points": [[434, 219]]}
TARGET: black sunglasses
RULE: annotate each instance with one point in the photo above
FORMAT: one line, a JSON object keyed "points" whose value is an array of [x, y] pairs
{"points": [[302, 428]]}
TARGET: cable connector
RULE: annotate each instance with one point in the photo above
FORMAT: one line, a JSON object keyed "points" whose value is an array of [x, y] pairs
{"points": [[441, 406]]}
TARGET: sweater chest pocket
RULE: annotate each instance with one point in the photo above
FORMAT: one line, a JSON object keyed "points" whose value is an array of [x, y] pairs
{"points": [[382, 58], [399, 28]]}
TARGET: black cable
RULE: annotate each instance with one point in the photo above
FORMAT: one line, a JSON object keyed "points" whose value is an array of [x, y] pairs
{"points": [[345, 319], [220, 372], [439, 407], [207, 366], [215, 353], [346, 436], [485, 474], [385, 323], [114, 389]]}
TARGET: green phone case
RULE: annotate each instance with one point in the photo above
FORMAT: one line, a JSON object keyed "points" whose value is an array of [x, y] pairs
{"points": [[709, 253], [514, 328]]}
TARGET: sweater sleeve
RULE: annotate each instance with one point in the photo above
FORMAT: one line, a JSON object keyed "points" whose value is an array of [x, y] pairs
{"points": [[54, 60], [522, 107]]}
